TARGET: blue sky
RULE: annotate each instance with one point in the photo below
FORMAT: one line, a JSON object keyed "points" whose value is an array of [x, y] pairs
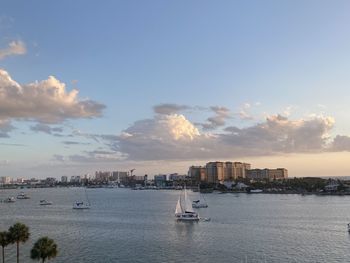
{"points": [[255, 59]]}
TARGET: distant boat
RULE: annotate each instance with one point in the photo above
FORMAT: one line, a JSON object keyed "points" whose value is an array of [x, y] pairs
{"points": [[22, 196], [82, 204], [200, 203], [184, 210], [256, 191], [10, 199], [45, 202]]}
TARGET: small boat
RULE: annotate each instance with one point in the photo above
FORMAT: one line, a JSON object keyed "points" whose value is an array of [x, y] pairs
{"points": [[10, 199], [45, 202], [184, 210], [256, 191], [81, 205], [200, 203], [22, 196]]}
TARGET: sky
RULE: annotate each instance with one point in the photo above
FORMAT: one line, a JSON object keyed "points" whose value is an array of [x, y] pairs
{"points": [[162, 85]]}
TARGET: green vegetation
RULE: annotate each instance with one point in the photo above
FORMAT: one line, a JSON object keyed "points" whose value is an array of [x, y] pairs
{"points": [[44, 248], [4, 242], [19, 233]]}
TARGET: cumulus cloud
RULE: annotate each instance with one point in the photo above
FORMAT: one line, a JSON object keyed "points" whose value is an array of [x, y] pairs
{"points": [[165, 136], [13, 48], [174, 137], [340, 143], [218, 120], [169, 108], [278, 134], [46, 101]]}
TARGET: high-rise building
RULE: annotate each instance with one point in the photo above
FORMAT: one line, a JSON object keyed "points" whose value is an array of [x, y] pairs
{"points": [[197, 174], [226, 171], [267, 174], [5, 180], [102, 176], [215, 172], [64, 179], [119, 176]]}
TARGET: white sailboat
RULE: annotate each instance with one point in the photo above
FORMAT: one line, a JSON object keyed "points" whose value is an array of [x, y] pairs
{"points": [[82, 204], [200, 203], [184, 210]]}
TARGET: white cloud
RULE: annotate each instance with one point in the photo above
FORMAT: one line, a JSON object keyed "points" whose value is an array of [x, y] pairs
{"points": [[13, 48], [174, 137], [159, 138], [46, 101]]}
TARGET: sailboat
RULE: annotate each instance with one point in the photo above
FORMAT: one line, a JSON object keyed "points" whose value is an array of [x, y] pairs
{"points": [[184, 210], [81, 204], [200, 203]]}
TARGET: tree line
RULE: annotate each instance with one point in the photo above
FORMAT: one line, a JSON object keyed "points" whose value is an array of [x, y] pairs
{"points": [[44, 248]]}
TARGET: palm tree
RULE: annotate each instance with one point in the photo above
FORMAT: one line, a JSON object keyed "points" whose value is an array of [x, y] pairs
{"points": [[18, 233], [44, 248], [4, 241]]}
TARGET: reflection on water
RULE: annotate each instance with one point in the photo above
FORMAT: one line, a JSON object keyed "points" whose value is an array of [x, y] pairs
{"points": [[139, 226]]}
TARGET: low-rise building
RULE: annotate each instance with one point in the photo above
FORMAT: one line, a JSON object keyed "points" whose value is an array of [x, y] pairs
{"points": [[160, 180]]}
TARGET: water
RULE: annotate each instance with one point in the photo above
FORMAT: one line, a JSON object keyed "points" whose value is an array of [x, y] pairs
{"points": [[139, 226]]}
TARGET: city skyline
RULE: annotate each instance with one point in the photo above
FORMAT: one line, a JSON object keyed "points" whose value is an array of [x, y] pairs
{"points": [[160, 86]]}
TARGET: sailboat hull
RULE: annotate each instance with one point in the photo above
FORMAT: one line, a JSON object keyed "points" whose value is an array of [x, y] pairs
{"points": [[81, 207], [186, 218]]}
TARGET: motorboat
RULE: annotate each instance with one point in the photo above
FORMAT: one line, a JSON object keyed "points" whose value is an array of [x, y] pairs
{"points": [[10, 199], [81, 205], [199, 204], [45, 202], [184, 210], [22, 196]]}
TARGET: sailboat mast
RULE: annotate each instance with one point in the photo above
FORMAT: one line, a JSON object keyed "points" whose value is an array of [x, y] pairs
{"points": [[87, 198]]}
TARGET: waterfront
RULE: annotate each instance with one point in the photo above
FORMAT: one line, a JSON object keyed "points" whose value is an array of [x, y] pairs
{"points": [[139, 226]]}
